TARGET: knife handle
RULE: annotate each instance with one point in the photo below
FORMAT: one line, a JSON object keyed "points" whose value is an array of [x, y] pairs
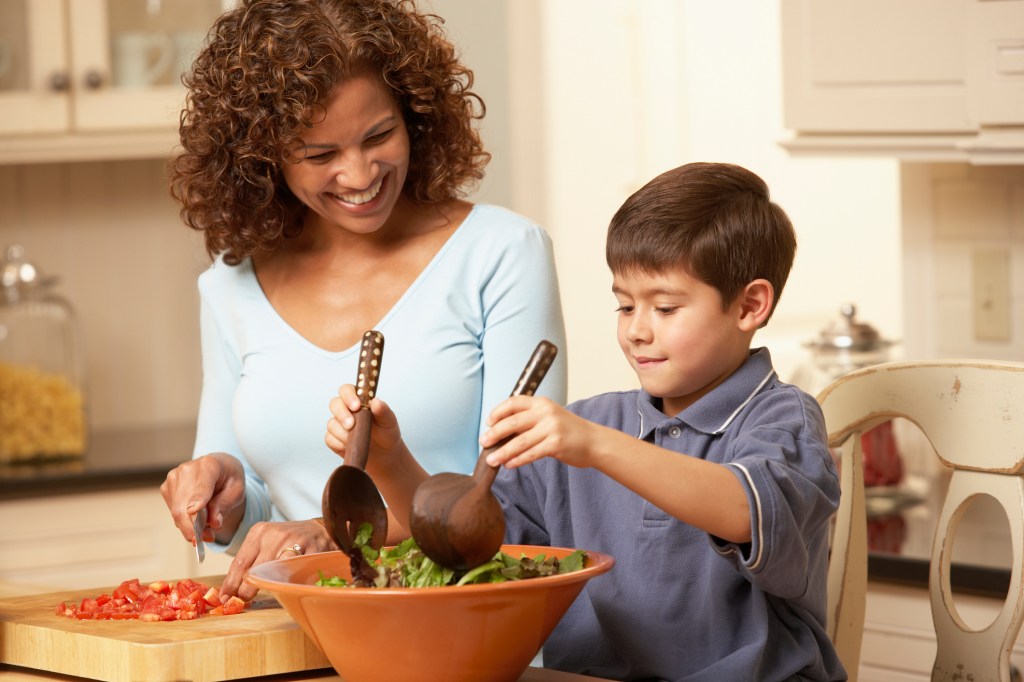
{"points": [[371, 351]]}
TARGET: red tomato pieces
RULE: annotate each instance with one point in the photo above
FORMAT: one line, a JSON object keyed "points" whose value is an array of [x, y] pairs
{"points": [[159, 601]]}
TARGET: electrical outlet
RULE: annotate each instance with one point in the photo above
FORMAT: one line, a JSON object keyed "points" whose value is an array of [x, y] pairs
{"points": [[991, 292]]}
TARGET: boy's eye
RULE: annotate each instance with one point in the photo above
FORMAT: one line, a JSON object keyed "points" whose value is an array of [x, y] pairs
{"points": [[666, 310], [624, 309]]}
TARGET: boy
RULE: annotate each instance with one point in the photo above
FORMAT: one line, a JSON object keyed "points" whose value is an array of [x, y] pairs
{"points": [[712, 485]]}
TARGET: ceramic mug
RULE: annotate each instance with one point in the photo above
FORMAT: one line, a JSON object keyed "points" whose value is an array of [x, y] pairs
{"points": [[186, 47], [141, 59]]}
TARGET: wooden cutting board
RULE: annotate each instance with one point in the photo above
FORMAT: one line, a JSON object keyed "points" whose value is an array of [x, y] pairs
{"points": [[262, 640]]}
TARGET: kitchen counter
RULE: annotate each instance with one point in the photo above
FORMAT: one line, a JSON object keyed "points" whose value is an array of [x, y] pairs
{"points": [[901, 527], [115, 460], [900, 530]]}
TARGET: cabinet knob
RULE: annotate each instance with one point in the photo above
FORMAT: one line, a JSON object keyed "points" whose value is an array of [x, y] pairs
{"points": [[93, 79], [59, 81]]}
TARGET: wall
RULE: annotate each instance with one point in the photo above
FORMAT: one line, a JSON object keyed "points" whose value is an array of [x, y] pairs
{"points": [[631, 88], [111, 233], [587, 100], [952, 214]]}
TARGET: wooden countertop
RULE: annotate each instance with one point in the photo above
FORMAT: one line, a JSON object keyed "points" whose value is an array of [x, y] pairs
{"points": [[14, 674]]}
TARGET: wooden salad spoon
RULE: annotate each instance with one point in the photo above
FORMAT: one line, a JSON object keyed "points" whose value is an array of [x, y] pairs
{"points": [[455, 519], [350, 497]]}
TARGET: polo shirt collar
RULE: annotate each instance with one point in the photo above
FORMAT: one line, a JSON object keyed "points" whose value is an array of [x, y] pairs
{"points": [[715, 411]]}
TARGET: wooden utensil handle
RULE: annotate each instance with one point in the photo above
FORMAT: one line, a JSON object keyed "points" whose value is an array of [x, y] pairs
{"points": [[371, 352], [534, 372]]}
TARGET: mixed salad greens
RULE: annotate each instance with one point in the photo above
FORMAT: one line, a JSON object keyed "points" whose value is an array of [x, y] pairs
{"points": [[405, 565]]}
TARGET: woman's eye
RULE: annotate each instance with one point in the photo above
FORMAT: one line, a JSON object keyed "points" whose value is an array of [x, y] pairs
{"points": [[322, 157], [379, 137]]}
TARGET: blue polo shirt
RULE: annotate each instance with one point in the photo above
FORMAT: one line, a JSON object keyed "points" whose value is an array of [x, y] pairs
{"points": [[681, 604]]}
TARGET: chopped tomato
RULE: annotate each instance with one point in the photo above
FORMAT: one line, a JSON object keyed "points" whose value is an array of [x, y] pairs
{"points": [[158, 601], [212, 597], [233, 605]]}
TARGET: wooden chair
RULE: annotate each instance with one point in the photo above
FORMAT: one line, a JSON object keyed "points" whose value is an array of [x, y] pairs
{"points": [[972, 412]]}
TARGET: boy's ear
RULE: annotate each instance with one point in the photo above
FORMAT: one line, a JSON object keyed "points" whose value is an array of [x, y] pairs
{"points": [[755, 304]]}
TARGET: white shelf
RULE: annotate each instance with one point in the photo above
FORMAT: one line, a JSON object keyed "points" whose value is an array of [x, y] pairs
{"points": [[987, 148], [61, 148]]}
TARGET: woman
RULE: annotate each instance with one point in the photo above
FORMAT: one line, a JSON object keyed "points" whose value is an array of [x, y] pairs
{"points": [[326, 146]]}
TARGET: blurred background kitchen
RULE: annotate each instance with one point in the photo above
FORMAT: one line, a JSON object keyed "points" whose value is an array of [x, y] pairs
{"points": [[892, 133]]}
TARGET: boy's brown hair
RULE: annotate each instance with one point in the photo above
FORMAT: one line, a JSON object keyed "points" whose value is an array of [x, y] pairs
{"points": [[715, 220]]}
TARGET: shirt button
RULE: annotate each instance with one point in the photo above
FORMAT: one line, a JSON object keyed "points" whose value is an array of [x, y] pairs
{"points": [[675, 431]]}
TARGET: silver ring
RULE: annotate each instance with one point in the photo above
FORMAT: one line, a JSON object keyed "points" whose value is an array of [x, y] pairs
{"points": [[295, 549]]}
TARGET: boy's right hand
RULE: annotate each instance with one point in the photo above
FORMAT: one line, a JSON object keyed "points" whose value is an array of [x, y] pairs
{"points": [[385, 436]]}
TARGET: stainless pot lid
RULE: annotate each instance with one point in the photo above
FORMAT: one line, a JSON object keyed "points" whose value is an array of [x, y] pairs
{"points": [[847, 333]]}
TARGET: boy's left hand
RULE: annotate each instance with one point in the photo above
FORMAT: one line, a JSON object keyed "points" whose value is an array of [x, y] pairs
{"points": [[539, 428]]}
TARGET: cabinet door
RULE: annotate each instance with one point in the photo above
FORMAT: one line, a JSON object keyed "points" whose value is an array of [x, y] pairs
{"points": [[34, 80], [996, 62], [91, 540], [872, 66], [127, 58]]}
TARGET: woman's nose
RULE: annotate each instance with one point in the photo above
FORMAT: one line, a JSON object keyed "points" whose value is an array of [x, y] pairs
{"points": [[355, 172]]}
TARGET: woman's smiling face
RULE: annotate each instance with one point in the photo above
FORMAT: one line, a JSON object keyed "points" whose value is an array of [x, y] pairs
{"points": [[349, 168]]}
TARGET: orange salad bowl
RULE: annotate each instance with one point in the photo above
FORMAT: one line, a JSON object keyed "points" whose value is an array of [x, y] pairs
{"points": [[465, 633]]}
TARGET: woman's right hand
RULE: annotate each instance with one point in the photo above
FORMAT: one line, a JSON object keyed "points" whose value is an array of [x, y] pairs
{"points": [[390, 464], [385, 436], [215, 482]]}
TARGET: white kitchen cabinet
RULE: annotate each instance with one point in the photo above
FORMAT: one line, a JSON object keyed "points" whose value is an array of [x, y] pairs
{"points": [[95, 540], [875, 66], [95, 79], [899, 639], [928, 79]]}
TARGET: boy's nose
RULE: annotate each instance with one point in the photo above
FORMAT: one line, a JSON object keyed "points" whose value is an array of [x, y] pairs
{"points": [[638, 328]]}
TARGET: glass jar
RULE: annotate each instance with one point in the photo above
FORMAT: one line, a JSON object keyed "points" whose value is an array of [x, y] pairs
{"points": [[42, 373]]}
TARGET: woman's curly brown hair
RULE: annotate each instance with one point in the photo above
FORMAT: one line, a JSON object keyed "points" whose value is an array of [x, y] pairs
{"points": [[262, 78]]}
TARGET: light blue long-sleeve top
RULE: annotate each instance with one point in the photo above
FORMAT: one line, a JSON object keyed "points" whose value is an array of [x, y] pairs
{"points": [[454, 345]]}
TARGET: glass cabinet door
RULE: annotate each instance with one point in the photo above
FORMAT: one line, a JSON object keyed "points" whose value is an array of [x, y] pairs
{"points": [[128, 57], [152, 42], [34, 78]]}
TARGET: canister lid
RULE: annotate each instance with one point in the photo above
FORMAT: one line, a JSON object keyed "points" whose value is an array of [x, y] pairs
{"points": [[19, 275], [847, 333]]}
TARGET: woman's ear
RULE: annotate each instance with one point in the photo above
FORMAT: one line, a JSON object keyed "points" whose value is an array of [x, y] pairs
{"points": [[755, 304]]}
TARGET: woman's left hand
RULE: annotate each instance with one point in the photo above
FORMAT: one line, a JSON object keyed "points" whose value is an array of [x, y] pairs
{"points": [[270, 540]]}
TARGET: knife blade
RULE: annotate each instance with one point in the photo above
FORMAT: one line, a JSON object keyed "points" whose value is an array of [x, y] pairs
{"points": [[198, 526]]}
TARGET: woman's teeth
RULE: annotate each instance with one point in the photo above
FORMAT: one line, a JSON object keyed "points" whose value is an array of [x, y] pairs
{"points": [[362, 197]]}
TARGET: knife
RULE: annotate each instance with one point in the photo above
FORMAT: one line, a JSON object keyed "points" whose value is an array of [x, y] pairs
{"points": [[198, 526]]}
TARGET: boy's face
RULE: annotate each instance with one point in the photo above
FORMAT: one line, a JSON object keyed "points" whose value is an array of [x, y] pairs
{"points": [[676, 336]]}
